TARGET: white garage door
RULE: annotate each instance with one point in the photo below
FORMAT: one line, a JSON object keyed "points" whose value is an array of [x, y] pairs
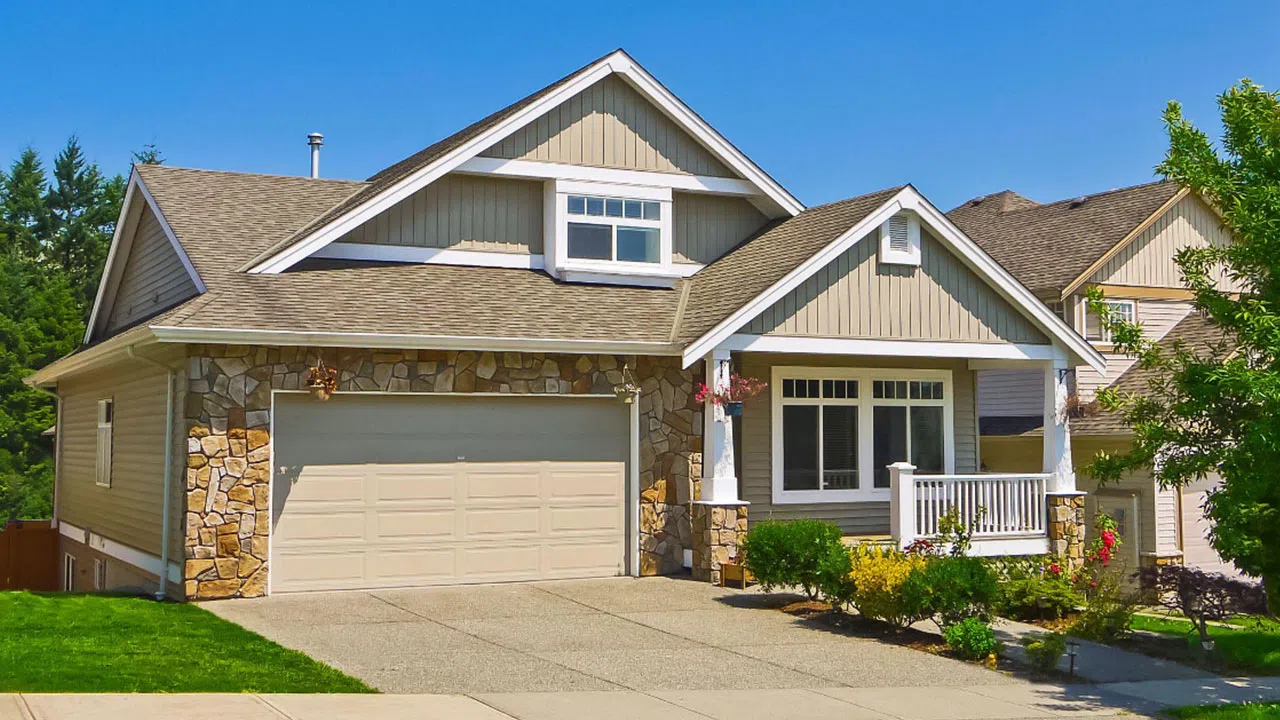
{"points": [[1196, 550], [386, 491]]}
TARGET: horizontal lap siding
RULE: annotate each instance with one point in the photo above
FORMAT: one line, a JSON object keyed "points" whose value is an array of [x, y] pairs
{"points": [[704, 227], [1149, 260], [853, 518], [153, 279], [130, 510], [462, 212], [856, 296], [1010, 393], [610, 125], [1158, 317], [1083, 450]]}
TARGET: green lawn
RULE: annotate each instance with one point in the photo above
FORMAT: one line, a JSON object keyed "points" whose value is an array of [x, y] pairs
{"points": [[1250, 645], [95, 643], [1266, 711]]}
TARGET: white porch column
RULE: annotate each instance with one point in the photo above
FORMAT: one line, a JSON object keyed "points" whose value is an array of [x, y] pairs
{"points": [[719, 478], [902, 503], [1057, 430]]}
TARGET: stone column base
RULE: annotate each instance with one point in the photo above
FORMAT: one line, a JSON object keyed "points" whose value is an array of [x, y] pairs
{"points": [[716, 531], [1067, 528]]}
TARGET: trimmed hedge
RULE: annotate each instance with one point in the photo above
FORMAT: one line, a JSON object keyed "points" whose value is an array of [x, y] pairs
{"points": [[792, 553]]}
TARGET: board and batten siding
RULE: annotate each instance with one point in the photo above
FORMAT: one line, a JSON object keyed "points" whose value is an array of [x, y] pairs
{"points": [[856, 296], [704, 227], [130, 510], [153, 278], [1149, 259], [462, 212], [865, 518], [610, 125]]}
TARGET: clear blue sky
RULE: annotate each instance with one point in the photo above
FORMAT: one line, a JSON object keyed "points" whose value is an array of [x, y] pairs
{"points": [[1052, 99]]}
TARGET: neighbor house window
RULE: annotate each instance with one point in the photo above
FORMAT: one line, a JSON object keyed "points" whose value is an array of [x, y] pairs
{"points": [[836, 430], [1125, 309], [615, 229], [68, 572], [102, 462], [99, 574]]}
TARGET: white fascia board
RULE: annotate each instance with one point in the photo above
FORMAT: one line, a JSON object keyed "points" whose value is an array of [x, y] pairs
{"points": [[618, 62], [122, 243], [124, 553], [429, 256], [896, 348], [108, 351], [968, 251], [408, 341], [531, 169]]}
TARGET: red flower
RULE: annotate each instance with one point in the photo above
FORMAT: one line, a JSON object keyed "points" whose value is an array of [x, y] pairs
{"points": [[1053, 568], [1108, 539]]}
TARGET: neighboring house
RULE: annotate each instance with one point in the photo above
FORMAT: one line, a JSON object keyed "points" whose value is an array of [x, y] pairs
{"points": [[519, 316], [1124, 241]]}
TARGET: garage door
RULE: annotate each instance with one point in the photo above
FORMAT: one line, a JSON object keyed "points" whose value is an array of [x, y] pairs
{"points": [[1196, 550], [393, 491]]}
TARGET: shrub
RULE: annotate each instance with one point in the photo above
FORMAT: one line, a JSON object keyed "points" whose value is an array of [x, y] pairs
{"points": [[835, 583], [1044, 649], [1200, 596], [1108, 610], [949, 590], [1033, 588], [877, 574], [971, 638], [790, 554]]}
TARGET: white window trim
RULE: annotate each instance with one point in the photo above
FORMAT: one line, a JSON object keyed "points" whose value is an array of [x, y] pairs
{"points": [[1104, 335], [68, 572], [556, 240], [866, 423], [103, 442], [911, 256]]}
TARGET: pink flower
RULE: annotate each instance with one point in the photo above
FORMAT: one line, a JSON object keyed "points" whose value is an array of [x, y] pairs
{"points": [[1108, 538]]}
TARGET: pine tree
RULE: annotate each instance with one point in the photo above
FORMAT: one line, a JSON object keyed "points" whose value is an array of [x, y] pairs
{"points": [[24, 217], [83, 206]]}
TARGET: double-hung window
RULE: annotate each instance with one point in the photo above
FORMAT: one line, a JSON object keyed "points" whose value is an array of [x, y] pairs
{"points": [[836, 430], [106, 423], [614, 229], [1125, 309]]}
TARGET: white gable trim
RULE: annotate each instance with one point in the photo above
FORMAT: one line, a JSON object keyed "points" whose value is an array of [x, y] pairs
{"points": [[1126, 241], [618, 62], [743, 342], [537, 170], [122, 243], [973, 256]]}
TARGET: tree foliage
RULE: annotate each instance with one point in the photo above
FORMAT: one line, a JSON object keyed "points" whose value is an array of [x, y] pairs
{"points": [[54, 236], [1200, 596], [1217, 409]]}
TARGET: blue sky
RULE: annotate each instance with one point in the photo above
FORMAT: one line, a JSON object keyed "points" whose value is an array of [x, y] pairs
{"points": [[1052, 99]]}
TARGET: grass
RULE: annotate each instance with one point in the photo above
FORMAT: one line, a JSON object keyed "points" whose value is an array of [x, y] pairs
{"points": [[1249, 645], [59, 642], [1250, 711]]}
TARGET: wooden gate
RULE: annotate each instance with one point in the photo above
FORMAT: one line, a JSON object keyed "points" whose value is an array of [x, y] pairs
{"points": [[29, 556]]}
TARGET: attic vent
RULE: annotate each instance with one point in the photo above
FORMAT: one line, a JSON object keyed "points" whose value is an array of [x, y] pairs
{"points": [[1077, 202], [899, 239]]}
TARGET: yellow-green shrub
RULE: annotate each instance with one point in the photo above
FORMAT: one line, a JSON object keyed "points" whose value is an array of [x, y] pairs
{"points": [[877, 574]]}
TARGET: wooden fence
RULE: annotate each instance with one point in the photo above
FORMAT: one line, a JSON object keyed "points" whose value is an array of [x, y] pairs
{"points": [[29, 556]]}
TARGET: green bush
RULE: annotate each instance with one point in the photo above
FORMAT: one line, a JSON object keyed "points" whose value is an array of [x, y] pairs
{"points": [[790, 554], [877, 576], [835, 581], [1033, 588], [949, 590], [971, 638], [1108, 609], [1044, 649]]}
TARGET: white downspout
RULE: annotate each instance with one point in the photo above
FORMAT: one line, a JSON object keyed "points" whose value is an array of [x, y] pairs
{"points": [[634, 483], [163, 591]]}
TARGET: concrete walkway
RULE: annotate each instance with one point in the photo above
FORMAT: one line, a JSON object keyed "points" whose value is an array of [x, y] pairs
{"points": [[1022, 700], [1100, 663]]}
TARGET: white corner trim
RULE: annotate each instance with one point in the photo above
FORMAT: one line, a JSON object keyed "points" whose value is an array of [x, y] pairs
{"points": [[968, 251], [617, 62], [124, 553], [122, 244], [705, 184], [744, 342], [407, 341], [428, 256]]}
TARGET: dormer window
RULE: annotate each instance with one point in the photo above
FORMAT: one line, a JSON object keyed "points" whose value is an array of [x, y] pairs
{"points": [[616, 229], [900, 239]]}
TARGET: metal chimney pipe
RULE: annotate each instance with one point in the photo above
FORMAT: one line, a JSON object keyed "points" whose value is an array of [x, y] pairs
{"points": [[315, 140]]}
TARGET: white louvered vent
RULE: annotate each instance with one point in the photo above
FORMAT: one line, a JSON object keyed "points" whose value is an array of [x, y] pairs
{"points": [[898, 238]]}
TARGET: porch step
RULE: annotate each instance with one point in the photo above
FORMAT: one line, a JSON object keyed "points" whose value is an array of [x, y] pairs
{"points": [[855, 540]]}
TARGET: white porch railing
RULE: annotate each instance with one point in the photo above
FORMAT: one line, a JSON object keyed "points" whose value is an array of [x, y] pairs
{"points": [[1006, 512]]}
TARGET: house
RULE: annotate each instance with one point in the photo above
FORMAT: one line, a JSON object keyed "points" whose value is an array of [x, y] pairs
{"points": [[1124, 241], [518, 318]]}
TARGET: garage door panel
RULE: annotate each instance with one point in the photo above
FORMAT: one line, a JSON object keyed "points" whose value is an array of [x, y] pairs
{"points": [[392, 491]]}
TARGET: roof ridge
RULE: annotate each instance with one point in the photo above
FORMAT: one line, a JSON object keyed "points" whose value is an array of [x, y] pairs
{"points": [[237, 173], [1095, 195], [894, 188]]}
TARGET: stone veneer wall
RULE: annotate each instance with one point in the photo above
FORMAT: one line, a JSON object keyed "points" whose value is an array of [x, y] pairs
{"points": [[1067, 528], [228, 419], [717, 530]]}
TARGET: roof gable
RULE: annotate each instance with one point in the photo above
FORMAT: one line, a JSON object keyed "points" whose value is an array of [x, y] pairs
{"points": [[401, 180]]}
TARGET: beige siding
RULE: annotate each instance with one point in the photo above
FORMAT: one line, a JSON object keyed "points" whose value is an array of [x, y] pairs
{"points": [[1010, 393], [856, 296], [462, 212], [704, 227], [1140, 484], [1196, 549], [610, 125], [1158, 317], [1148, 261], [153, 279], [853, 518], [129, 511]]}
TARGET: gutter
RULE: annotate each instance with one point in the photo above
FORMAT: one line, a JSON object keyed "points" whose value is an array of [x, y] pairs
{"points": [[166, 504]]}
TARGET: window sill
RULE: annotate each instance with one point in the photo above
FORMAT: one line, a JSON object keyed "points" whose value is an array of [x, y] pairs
{"points": [[624, 273]]}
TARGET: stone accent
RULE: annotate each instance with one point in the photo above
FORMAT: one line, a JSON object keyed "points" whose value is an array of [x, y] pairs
{"points": [[228, 417], [1067, 528], [716, 530]]}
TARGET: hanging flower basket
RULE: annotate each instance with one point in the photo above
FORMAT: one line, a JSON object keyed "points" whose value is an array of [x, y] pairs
{"points": [[322, 381], [740, 389]]}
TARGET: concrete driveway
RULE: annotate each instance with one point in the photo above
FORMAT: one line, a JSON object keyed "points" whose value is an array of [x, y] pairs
{"points": [[647, 635]]}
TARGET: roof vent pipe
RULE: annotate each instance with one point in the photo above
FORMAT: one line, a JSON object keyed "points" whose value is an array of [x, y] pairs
{"points": [[315, 140]]}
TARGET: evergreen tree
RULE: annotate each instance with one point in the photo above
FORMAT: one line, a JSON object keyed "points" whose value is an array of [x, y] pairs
{"points": [[83, 206], [24, 217], [149, 155]]}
